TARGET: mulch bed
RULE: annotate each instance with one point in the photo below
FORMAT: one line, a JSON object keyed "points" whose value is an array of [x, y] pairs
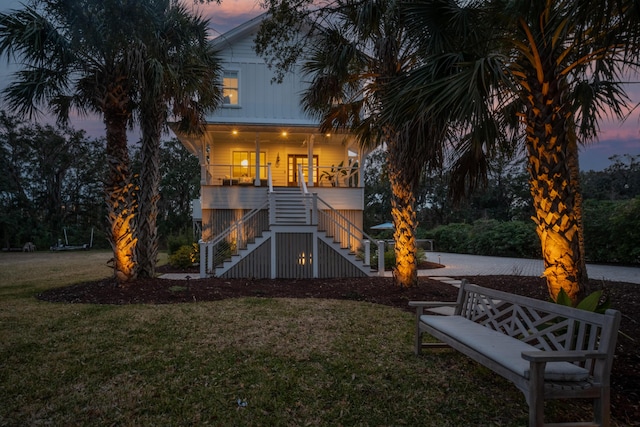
{"points": [[625, 297]]}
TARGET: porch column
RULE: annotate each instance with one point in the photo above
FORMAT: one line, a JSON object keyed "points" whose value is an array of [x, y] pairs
{"points": [[310, 161], [361, 156], [256, 180]]}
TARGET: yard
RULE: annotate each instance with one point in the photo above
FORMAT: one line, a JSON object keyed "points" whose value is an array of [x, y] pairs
{"points": [[245, 361]]}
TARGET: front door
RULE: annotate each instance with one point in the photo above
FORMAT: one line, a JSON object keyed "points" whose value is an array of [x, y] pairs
{"points": [[292, 169]]}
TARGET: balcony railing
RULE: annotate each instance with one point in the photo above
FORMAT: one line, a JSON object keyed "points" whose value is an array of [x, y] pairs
{"points": [[325, 176]]}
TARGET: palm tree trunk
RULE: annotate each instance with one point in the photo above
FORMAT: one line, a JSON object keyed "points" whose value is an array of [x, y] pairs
{"points": [[553, 156], [119, 197], [403, 213], [147, 248]]}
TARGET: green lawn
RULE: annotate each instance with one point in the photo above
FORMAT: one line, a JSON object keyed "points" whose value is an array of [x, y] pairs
{"points": [[242, 362]]}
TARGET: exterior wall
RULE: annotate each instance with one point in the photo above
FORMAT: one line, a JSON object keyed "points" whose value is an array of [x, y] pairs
{"points": [[250, 197], [261, 101], [294, 260]]}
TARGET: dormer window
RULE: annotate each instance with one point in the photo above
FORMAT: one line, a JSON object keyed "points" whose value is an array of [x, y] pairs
{"points": [[230, 88]]}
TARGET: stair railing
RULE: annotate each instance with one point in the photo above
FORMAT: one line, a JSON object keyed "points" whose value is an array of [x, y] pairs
{"points": [[356, 240], [230, 241]]}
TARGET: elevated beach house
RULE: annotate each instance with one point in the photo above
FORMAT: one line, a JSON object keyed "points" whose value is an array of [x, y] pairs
{"points": [[278, 199]]}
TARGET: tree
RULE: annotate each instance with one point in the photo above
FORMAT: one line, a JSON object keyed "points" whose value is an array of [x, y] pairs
{"points": [[53, 179], [77, 55], [548, 67], [181, 72], [352, 59], [180, 184]]}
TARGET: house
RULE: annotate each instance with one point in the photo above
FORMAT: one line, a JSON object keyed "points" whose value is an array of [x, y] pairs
{"points": [[278, 199]]}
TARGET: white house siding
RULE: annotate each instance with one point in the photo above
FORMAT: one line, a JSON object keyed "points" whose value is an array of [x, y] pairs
{"points": [[342, 198], [233, 197], [250, 197]]}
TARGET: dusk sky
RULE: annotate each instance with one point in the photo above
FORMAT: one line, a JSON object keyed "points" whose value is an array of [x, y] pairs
{"points": [[614, 138]]}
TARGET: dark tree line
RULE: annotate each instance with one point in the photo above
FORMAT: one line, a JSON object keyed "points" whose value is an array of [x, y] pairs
{"points": [[53, 180], [499, 213]]}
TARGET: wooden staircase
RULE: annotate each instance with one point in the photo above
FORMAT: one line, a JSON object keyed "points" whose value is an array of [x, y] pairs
{"points": [[288, 206], [289, 211]]}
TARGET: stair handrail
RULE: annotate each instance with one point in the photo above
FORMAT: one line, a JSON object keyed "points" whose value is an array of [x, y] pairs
{"points": [[206, 248], [333, 210], [364, 241], [301, 181]]}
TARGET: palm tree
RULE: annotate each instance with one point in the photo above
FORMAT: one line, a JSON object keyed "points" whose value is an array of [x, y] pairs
{"points": [[550, 67], [181, 71], [76, 55], [352, 65]]}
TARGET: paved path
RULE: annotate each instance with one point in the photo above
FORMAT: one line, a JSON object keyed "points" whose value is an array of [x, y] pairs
{"points": [[474, 265]]}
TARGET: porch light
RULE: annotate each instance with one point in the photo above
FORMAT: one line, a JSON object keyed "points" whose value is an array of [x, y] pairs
{"points": [[304, 258], [284, 133], [234, 132]]}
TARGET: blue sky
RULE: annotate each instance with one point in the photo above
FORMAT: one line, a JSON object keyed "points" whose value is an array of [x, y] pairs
{"points": [[614, 138]]}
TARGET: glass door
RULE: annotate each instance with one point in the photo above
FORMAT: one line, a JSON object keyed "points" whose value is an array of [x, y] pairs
{"points": [[292, 169]]}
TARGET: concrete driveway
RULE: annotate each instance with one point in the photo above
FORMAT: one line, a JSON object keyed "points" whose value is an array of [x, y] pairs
{"points": [[474, 265]]}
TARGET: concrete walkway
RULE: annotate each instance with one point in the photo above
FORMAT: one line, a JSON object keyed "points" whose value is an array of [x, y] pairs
{"points": [[474, 265]]}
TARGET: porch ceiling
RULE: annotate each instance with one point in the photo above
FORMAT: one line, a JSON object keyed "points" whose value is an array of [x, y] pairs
{"points": [[280, 134]]}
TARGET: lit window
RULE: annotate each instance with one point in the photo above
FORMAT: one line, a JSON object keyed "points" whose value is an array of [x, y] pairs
{"points": [[244, 164], [230, 88]]}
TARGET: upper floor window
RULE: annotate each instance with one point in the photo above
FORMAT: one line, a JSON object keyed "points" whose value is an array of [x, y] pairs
{"points": [[230, 86]]}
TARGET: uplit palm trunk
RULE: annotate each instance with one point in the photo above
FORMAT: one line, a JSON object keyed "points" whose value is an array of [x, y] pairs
{"points": [[403, 213], [553, 166], [119, 197], [147, 247]]}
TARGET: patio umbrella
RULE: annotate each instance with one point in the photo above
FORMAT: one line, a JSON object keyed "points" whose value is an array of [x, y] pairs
{"points": [[383, 226]]}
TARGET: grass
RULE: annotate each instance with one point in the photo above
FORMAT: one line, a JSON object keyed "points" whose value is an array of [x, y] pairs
{"points": [[242, 362]]}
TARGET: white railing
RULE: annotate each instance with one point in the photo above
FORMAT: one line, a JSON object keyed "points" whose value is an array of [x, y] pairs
{"points": [[338, 226], [301, 181], [338, 176], [232, 240], [222, 174]]}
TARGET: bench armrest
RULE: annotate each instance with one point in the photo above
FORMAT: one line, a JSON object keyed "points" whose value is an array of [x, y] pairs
{"points": [[561, 356]]}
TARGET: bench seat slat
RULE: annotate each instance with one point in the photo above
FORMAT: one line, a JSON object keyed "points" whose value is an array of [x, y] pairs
{"points": [[501, 348]]}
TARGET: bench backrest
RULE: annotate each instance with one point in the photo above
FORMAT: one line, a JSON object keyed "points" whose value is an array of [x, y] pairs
{"points": [[544, 325]]}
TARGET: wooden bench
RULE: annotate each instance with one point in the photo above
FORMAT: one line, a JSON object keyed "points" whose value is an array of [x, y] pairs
{"points": [[547, 350]]}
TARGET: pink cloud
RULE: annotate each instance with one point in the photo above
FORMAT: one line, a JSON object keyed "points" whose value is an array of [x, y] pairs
{"points": [[228, 14]]}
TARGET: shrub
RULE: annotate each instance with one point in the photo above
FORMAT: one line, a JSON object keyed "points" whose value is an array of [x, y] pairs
{"points": [[184, 257], [488, 237], [175, 242], [452, 238], [612, 230]]}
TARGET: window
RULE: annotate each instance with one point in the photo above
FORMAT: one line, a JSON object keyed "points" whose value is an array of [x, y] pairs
{"points": [[244, 164], [230, 88]]}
